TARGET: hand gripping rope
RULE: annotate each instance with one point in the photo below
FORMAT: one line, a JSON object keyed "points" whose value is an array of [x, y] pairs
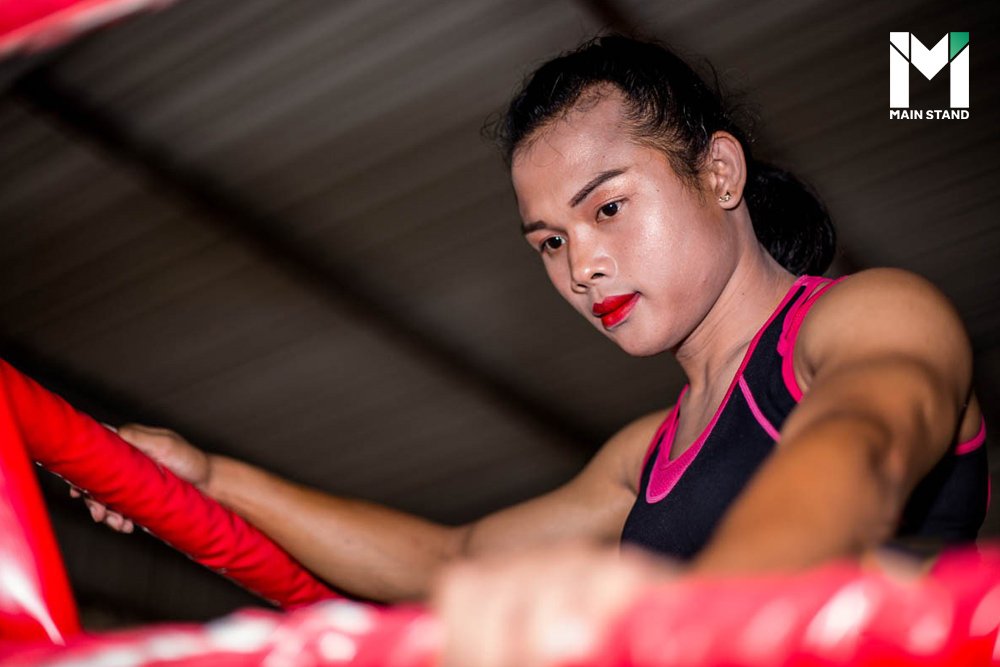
{"points": [[838, 615], [35, 600]]}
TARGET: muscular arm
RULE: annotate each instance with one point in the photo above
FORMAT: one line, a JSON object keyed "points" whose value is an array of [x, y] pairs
{"points": [[383, 554], [888, 369]]}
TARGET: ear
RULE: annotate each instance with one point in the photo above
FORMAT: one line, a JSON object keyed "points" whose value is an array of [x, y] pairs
{"points": [[727, 170]]}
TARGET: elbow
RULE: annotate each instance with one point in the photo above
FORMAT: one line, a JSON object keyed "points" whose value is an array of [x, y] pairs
{"points": [[422, 572], [885, 467], [460, 543], [889, 476], [904, 421], [872, 474], [922, 428], [897, 454]]}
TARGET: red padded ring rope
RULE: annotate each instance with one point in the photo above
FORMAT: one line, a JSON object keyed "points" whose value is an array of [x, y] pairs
{"points": [[839, 615], [77, 448]]}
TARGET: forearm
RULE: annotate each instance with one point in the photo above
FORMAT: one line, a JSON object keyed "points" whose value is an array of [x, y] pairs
{"points": [[847, 460], [383, 554], [831, 493], [366, 549]]}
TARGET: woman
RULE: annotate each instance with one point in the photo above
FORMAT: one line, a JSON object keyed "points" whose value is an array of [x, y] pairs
{"points": [[821, 418]]}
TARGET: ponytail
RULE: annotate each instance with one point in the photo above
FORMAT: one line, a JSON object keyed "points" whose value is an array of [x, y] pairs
{"points": [[789, 219]]}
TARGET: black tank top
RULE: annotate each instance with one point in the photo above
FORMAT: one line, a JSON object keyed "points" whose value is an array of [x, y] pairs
{"points": [[681, 501]]}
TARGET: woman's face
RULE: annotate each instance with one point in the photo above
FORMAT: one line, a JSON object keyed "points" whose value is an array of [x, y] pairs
{"points": [[637, 251]]}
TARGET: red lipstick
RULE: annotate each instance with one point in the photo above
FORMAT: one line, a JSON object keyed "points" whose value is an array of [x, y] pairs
{"points": [[615, 309]]}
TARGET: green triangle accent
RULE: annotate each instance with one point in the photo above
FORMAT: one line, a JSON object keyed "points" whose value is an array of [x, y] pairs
{"points": [[956, 42]]}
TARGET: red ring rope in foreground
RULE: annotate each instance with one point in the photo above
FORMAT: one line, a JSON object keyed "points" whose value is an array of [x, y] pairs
{"points": [[35, 599], [842, 615], [79, 449], [839, 615]]}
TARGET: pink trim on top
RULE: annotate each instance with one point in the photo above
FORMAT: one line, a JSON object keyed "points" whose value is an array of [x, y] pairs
{"points": [[757, 414], [975, 442], [790, 331], [669, 422], [666, 472]]}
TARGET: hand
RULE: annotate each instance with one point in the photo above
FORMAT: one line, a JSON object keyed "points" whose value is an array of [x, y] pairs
{"points": [[171, 451], [545, 608], [166, 448]]}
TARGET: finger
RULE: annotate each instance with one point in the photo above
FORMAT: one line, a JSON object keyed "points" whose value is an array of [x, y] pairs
{"points": [[142, 438], [115, 521], [128, 526], [142, 429], [567, 639], [74, 492], [130, 433], [97, 511], [474, 607], [449, 600], [562, 629]]}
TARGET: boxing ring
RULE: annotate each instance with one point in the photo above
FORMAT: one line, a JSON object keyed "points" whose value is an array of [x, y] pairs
{"points": [[843, 614]]}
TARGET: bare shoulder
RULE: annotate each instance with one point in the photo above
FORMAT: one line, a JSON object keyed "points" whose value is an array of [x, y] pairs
{"points": [[622, 455], [883, 311], [884, 286]]}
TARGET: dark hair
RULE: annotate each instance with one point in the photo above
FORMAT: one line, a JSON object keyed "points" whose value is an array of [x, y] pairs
{"points": [[671, 108]]}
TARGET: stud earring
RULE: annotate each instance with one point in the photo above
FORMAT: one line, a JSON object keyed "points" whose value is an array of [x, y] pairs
{"points": [[726, 197]]}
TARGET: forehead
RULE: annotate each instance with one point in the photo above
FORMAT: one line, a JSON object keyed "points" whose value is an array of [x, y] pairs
{"points": [[588, 138]]}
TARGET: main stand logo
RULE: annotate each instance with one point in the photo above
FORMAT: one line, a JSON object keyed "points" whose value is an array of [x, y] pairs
{"points": [[905, 50]]}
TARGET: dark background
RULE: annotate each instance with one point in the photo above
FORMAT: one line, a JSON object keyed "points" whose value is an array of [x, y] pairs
{"points": [[273, 226]]}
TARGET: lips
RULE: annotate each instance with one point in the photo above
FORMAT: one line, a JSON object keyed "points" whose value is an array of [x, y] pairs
{"points": [[615, 309]]}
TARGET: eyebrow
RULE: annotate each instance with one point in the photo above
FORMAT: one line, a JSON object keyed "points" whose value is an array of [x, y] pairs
{"points": [[592, 184], [528, 227]]}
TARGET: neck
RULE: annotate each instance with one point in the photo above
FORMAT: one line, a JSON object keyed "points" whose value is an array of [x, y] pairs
{"points": [[711, 353]]}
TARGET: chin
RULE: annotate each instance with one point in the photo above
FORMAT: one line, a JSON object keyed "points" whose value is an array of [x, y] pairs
{"points": [[638, 348]]}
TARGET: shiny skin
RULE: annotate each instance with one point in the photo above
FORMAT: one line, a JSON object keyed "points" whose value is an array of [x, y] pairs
{"points": [[645, 231]]}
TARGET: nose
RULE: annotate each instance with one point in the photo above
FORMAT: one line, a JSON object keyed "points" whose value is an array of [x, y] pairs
{"points": [[588, 263]]}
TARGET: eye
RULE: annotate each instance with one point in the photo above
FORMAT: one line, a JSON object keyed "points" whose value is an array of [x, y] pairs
{"points": [[552, 244], [610, 209]]}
